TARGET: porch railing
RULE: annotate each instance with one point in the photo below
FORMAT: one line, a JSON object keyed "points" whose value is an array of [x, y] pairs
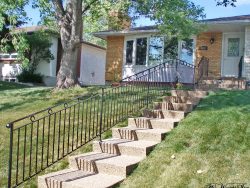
{"points": [[41, 139]]}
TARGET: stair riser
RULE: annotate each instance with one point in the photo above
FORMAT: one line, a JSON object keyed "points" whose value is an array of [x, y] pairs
{"points": [[137, 135], [88, 166], [106, 148], [163, 114], [183, 93], [42, 183], [124, 134], [150, 124], [122, 150]]}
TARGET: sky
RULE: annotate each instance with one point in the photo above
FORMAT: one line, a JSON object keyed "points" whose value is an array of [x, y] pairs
{"points": [[211, 11]]}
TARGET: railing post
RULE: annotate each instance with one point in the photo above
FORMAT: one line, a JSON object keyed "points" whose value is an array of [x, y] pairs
{"points": [[10, 126], [100, 128], [148, 88]]}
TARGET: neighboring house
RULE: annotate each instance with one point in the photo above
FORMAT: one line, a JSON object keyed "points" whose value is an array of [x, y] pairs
{"points": [[91, 63], [224, 42]]}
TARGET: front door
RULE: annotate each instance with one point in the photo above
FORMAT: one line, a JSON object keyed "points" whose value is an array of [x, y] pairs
{"points": [[232, 52]]}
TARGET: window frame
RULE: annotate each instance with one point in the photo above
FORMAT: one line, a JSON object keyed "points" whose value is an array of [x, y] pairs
{"points": [[148, 36]]}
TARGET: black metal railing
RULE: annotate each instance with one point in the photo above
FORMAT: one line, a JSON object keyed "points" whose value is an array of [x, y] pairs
{"points": [[240, 67], [39, 140], [202, 69], [169, 72]]}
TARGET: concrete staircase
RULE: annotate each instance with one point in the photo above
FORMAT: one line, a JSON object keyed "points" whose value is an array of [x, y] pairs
{"points": [[113, 159]]}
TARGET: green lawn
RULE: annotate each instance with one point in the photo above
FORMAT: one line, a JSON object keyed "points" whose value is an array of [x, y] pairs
{"points": [[17, 101], [212, 145]]}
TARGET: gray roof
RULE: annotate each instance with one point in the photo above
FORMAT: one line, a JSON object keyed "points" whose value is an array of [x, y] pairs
{"points": [[154, 29], [231, 18]]}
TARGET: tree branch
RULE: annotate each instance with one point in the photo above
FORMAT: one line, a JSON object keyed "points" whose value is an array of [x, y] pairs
{"points": [[59, 7], [89, 6]]}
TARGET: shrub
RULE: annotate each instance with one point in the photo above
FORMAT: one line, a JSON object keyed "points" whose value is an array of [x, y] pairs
{"points": [[29, 76]]}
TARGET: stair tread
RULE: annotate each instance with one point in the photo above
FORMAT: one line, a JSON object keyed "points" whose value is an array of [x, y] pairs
{"points": [[94, 181], [94, 156], [154, 130], [68, 175], [139, 144], [121, 160], [78, 179], [114, 141], [124, 142], [158, 119], [165, 119]]}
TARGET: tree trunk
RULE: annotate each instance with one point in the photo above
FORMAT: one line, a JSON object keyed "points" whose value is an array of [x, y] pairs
{"points": [[67, 76], [71, 35]]}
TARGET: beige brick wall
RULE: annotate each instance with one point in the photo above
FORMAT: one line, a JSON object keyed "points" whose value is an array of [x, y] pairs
{"points": [[114, 58], [213, 53]]}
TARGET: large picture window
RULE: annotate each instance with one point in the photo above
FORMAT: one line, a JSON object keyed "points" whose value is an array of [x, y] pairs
{"points": [[141, 51], [186, 51], [170, 48], [155, 51]]}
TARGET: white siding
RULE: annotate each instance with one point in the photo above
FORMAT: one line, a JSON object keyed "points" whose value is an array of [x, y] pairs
{"points": [[247, 54], [92, 69], [49, 69]]}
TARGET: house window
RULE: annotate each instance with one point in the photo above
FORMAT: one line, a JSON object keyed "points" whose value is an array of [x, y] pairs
{"points": [[233, 47], [170, 48], [155, 51], [129, 52], [186, 50], [141, 51]]}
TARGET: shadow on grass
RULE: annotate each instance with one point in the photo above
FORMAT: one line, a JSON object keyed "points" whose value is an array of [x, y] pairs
{"points": [[11, 85]]}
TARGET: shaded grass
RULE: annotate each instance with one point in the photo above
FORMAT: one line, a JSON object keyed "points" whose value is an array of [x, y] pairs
{"points": [[10, 85], [215, 139], [19, 102]]}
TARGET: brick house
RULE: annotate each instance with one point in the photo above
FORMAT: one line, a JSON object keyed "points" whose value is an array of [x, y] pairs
{"points": [[225, 42]]}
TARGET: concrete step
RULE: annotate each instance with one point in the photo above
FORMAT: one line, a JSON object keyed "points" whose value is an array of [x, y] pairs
{"points": [[72, 178], [178, 99], [121, 165], [186, 93], [132, 133], [153, 123], [117, 146], [175, 106], [87, 161], [167, 114]]}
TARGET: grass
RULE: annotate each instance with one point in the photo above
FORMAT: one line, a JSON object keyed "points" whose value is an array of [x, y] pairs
{"points": [[212, 145], [16, 103], [10, 85]]}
